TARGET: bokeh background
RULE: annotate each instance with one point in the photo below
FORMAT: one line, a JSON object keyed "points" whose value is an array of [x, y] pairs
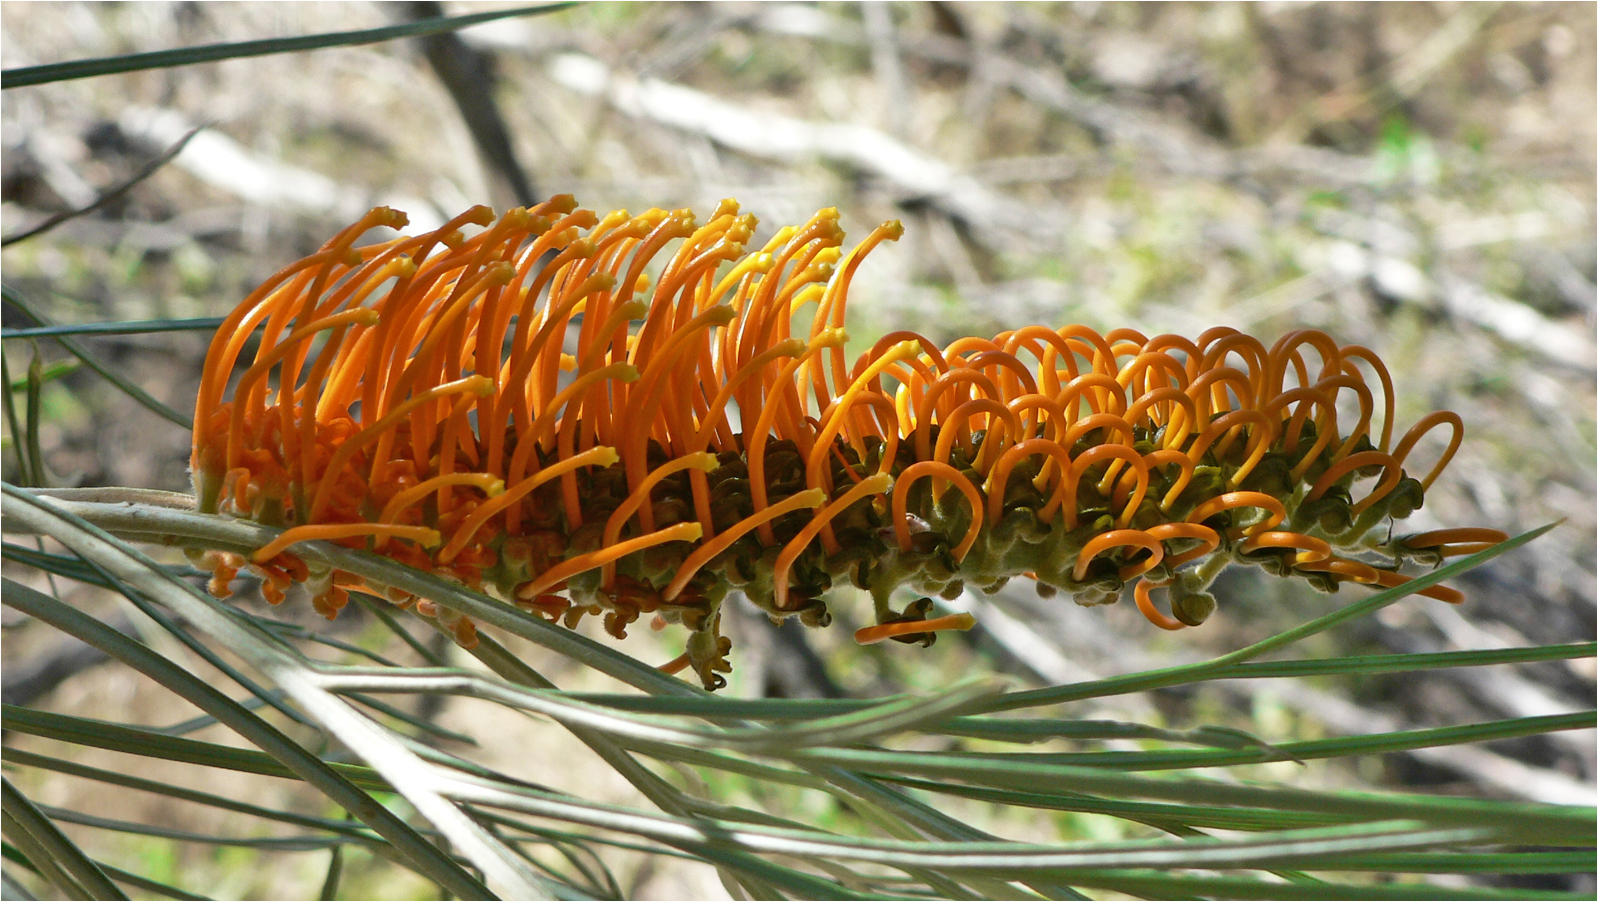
{"points": [[1417, 178]]}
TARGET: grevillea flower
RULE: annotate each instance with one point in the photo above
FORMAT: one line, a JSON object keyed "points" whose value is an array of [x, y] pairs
{"points": [[526, 411]]}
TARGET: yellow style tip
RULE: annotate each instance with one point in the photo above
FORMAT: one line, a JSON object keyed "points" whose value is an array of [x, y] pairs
{"points": [[482, 386], [877, 483], [390, 217], [721, 314], [482, 215], [829, 338]]}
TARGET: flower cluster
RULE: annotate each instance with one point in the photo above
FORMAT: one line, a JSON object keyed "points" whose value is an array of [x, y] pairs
{"points": [[527, 411]]}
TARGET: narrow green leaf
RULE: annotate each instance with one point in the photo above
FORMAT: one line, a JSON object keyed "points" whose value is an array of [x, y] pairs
{"points": [[1376, 743], [132, 327], [1155, 885], [352, 829], [185, 56], [111, 375], [335, 868], [151, 744], [14, 423], [39, 475], [52, 372], [85, 874]]}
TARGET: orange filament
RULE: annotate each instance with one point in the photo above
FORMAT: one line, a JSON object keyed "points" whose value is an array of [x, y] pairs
{"points": [[1310, 549], [1425, 425], [811, 498], [871, 485], [1458, 541], [1120, 538], [1391, 474], [1166, 531], [681, 532], [419, 534], [871, 635], [901, 489], [1145, 605], [1232, 500]]}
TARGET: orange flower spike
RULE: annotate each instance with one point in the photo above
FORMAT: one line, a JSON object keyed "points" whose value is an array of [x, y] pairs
{"points": [[958, 424], [761, 312], [1052, 347], [310, 400], [1285, 351], [819, 476], [544, 426], [492, 486], [1261, 437], [1164, 456], [1092, 456], [1310, 549], [236, 328], [1177, 432], [424, 417], [528, 346], [815, 474], [1091, 345], [345, 381], [831, 310]]}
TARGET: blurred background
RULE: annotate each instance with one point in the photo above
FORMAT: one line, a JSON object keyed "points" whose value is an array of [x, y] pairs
{"points": [[1416, 178]]}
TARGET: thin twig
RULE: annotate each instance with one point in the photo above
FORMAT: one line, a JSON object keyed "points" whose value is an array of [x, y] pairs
{"points": [[148, 170]]}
